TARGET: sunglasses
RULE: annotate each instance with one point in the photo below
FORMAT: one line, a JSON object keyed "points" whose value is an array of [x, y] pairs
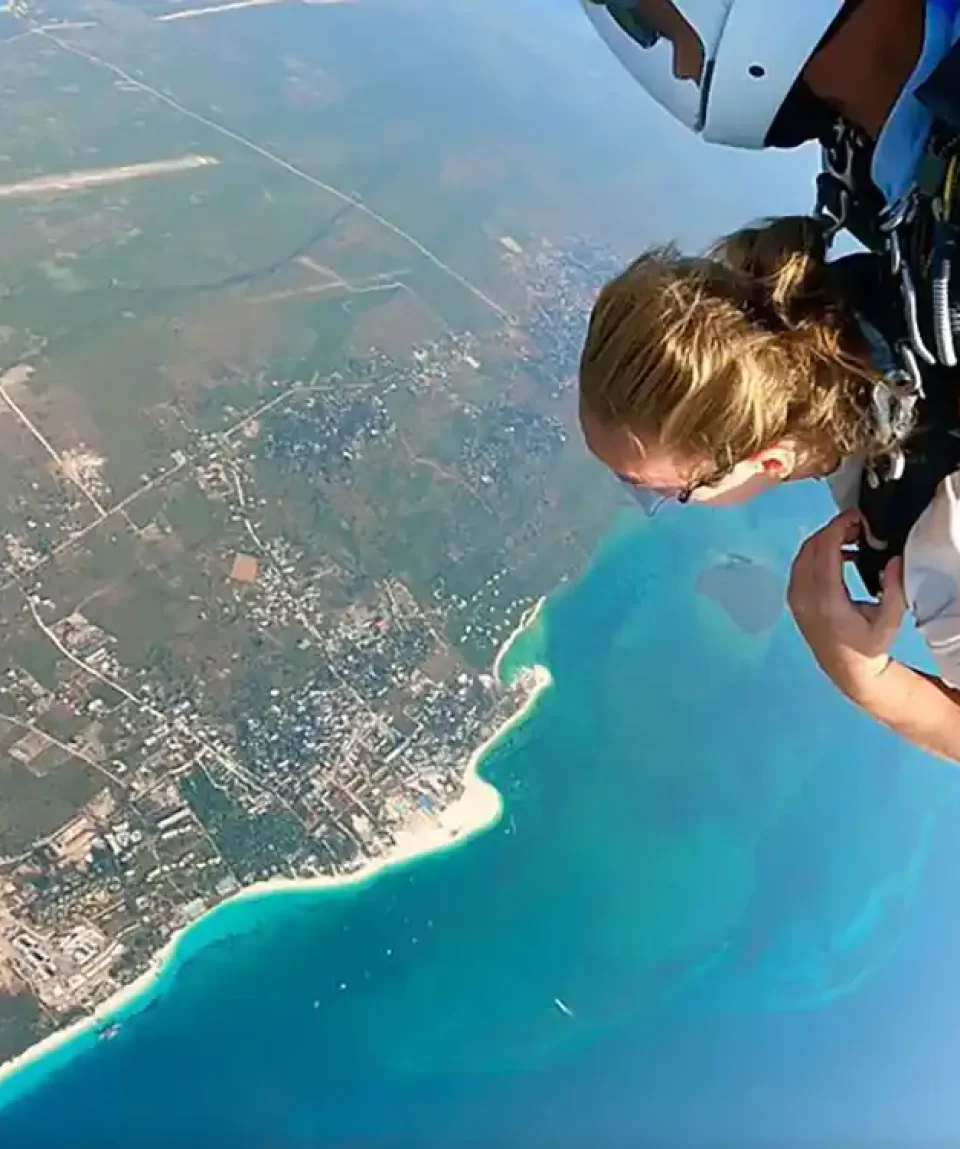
{"points": [[652, 499]]}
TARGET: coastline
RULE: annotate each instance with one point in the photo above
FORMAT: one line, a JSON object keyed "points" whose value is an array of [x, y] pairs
{"points": [[527, 620], [478, 808]]}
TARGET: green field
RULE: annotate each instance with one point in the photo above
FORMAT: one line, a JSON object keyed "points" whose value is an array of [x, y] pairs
{"points": [[205, 341]]}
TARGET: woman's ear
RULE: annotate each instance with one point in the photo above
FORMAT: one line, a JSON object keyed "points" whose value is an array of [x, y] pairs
{"points": [[777, 462]]}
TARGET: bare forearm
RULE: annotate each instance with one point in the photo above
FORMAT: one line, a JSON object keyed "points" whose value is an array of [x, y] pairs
{"points": [[919, 707]]}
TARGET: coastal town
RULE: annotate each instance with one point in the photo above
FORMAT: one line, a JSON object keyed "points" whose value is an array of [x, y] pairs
{"points": [[181, 824], [283, 475], [267, 662]]}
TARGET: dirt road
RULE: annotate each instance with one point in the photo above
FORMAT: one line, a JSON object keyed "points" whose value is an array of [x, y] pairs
{"points": [[96, 177]]}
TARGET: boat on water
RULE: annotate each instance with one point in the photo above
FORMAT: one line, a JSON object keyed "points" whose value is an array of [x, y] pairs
{"points": [[106, 1032], [563, 1007]]}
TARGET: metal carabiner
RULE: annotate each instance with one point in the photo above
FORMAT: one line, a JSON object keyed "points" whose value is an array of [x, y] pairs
{"points": [[911, 369], [911, 314], [833, 223], [898, 464], [895, 253], [897, 214]]}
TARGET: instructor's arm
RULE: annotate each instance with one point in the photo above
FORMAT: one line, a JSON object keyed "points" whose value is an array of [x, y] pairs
{"points": [[851, 642], [921, 708]]}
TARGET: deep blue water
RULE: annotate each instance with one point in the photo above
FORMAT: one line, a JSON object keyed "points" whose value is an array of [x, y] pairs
{"points": [[742, 889]]}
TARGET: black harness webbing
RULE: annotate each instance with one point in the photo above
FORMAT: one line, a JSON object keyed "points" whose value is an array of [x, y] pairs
{"points": [[891, 506], [905, 290]]}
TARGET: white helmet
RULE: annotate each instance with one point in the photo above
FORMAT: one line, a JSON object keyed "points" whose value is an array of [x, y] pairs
{"points": [[753, 50]]}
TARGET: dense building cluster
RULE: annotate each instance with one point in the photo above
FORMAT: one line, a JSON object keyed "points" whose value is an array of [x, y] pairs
{"points": [[345, 712], [563, 280]]}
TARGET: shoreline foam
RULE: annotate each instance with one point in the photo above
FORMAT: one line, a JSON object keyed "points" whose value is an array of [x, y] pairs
{"points": [[478, 808], [527, 620]]}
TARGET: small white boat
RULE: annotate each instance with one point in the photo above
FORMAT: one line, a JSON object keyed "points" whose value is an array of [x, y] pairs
{"points": [[563, 1007]]}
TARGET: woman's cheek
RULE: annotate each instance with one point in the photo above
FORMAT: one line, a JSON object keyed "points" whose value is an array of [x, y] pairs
{"points": [[733, 490]]}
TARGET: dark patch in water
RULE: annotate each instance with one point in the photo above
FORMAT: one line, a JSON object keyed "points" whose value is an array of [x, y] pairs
{"points": [[750, 593]]}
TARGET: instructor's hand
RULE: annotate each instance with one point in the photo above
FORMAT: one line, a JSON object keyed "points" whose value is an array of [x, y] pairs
{"points": [[850, 640]]}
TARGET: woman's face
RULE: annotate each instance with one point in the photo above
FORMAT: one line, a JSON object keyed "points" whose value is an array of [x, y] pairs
{"points": [[653, 469]]}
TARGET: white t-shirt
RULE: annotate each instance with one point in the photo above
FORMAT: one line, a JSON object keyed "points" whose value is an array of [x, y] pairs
{"points": [[931, 566]]}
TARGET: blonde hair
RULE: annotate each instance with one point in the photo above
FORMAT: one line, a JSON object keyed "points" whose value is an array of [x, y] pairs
{"points": [[721, 356]]}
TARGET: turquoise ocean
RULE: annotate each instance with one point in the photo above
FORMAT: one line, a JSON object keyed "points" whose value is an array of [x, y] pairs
{"points": [[742, 892]]}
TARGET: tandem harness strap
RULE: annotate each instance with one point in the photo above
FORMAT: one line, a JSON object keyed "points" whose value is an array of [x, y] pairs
{"points": [[894, 494], [907, 296], [920, 232], [847, 198]]}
